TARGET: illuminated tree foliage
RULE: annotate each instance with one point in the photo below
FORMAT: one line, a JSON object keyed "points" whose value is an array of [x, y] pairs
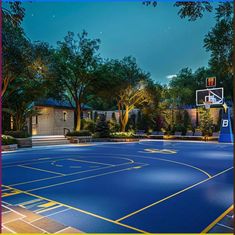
{"points": [[75, 63]]}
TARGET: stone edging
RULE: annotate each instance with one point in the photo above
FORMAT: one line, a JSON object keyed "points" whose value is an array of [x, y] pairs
{"points": [[115, 139], [24, 142], [10, 147]]}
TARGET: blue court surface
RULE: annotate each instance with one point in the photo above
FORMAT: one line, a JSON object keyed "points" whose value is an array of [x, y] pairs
{"points": [[144, 187]]}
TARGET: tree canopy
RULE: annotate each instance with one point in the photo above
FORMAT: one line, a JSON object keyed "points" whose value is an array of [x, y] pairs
{"points": [[75, 63], [74, 70]]}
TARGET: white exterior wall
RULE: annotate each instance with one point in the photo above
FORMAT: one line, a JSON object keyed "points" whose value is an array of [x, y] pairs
{"points": [[109, 113], [60, 124], [51, 121]]}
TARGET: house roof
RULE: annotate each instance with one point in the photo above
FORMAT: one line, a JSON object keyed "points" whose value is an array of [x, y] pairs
{"points": [[58, 103]]}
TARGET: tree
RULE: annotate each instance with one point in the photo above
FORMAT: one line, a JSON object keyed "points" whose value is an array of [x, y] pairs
{"points": [[20, 104], [102, 128], [206, 122], [128, 86], [74, 69], [182, 88], [28, 86], [186, 119], [14, 13], [21, 57], [15, 52], [113, 124], [128, 99], [151, 111], [219, 42], [191, 10]]}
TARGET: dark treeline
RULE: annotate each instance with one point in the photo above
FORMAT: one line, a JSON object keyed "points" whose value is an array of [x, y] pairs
{"points": [[74, 71]]}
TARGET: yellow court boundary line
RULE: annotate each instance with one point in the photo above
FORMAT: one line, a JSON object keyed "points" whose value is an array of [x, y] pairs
{"points": [[39, 169], [82, 211], [211, 225], [170, 196], [10, 194]]}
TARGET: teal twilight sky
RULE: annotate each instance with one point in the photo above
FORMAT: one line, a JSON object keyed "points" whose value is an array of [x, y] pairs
{"points": [[158, 38]]}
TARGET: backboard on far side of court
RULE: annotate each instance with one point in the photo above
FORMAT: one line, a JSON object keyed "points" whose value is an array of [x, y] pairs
{"points": [[210, 96]]}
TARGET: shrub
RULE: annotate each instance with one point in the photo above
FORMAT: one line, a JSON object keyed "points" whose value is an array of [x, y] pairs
{"points": [[7, 140], [88, 124], [102, 128], [79, 133], [122, 135], [206, 122], [17, 134], [179, 128], [95, 116], [113, 117], [113, 126], [131, 125]]}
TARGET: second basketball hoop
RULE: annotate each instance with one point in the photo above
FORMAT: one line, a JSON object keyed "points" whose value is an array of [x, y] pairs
{"points": [[210, 97]]}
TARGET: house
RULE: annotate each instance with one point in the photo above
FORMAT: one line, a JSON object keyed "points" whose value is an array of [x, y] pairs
{"points": [[55, 117]]}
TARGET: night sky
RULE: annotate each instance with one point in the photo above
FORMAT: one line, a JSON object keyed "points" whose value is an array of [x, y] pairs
{"points": [[161, 42]]}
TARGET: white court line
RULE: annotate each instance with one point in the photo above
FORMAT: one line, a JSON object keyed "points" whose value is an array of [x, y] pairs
{"points": [[55, 213], [39, 169], [75, 180], [35, 226], [33, 161], [166, 160], [12, 210], [9, 229], [30, 202], [60, 231], [77, 173], [41, 210], [99, 163], [225, 226], [183, 164]]}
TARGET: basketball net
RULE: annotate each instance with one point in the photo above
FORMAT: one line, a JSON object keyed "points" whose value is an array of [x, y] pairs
{"points": [[207, 104]]}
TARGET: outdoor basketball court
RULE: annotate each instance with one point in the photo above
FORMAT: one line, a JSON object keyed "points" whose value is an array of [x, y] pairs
{"points": [[150, 186]]}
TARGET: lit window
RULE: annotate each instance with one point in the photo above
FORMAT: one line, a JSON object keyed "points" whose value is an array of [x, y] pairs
{"points": [[35, 120], [65, 116]]}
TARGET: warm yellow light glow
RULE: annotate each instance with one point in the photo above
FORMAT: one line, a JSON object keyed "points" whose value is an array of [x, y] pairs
{"points": [[34, 132]]}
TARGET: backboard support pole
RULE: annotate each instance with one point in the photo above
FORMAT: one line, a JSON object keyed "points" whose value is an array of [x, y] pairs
{"points": [[226, 133]]}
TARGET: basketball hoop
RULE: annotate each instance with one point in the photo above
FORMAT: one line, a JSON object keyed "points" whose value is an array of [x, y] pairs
{"points": [[210, 97]]}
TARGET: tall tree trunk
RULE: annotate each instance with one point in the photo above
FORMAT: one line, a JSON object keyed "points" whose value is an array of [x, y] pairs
{"points": [[5, 84], [124, 120], [78, 111]]}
